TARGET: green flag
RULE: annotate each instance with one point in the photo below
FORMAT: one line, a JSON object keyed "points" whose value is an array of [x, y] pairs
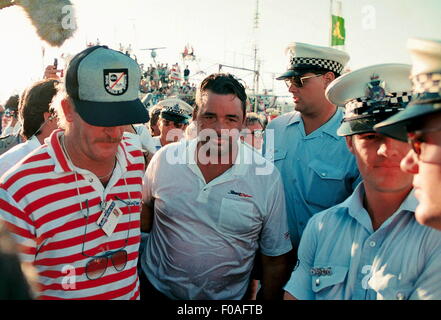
{"points": [[338, 31]]}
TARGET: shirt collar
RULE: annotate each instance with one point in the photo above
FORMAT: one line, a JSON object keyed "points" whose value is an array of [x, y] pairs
{"points": [[294, 117], [64, 165], [356, 209], [355, 206], [330, 127], [333, 124], [34, 141], [239, 168]]}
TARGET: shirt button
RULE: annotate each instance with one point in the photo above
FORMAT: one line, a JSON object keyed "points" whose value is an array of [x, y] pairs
{"points": [[323, 174], [372, 244], [400, 296], [90, 180], [317, 282]]}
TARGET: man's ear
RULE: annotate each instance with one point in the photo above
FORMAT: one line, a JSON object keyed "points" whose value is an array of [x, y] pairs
{"points": [[328, 77], [46, 116], [350, 144], [68, 110], [194, 114]]}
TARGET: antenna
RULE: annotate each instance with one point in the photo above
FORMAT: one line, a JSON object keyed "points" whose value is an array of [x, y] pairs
{"points": [[256, 60]]}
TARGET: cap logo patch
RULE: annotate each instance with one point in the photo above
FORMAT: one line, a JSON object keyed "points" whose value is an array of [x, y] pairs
{"points": [[375, 89], [116, 81]]}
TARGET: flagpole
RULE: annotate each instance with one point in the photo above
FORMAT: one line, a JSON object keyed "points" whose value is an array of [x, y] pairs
{"points": [[331, 4]]}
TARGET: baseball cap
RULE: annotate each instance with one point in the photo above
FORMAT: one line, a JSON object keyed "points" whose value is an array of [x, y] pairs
{"points": [[104, 86], [304, 57]]}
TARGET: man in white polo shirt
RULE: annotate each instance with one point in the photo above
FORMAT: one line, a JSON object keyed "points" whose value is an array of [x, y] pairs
{"points": [[73, 204], [205, 232]]}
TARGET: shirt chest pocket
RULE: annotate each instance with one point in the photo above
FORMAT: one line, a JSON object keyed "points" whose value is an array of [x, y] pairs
{"points": [[238, 216], [329, 282], [390, 287], [275, 154], [325, 185], [279, 154]]}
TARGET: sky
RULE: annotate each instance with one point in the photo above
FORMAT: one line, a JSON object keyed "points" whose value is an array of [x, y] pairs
{"points": [[221, 32]]}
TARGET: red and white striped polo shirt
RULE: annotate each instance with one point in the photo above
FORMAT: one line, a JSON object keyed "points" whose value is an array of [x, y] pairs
{"points": [[41, 200]]}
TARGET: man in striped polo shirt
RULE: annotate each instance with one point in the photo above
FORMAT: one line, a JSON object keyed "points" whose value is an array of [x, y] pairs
{"points": [[73, 204]]}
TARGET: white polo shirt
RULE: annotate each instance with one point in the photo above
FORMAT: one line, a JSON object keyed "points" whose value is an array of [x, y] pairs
{"points": [[205, 236]]}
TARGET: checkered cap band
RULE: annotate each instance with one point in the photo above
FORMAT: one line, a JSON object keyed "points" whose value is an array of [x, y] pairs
{"points": [[322, 63], [428, 82], [365, 106], [175, 109]]}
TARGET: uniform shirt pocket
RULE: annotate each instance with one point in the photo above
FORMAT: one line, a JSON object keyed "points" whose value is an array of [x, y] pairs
{"points": [[325, 185], [279, 154], [328, 282], [238, 216], [390, 287]]}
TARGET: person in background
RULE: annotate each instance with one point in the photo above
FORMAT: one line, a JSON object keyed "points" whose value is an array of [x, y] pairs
{"points": [[186, 75], [253, 131], [154, 112], [173, 120], [38, 119], [317, 169], [12, 125], [3, 123]]}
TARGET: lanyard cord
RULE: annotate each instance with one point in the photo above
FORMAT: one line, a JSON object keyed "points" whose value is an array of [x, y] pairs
{"points": [[76, 179], [87, 204]]}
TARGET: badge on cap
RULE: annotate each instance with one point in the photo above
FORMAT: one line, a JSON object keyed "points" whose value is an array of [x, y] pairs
{"points": [[375, 88], [116, 81]]}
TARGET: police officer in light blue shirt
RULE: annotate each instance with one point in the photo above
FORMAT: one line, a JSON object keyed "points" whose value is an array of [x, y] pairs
{"points": [[420, 125], [317, 169], [370, 246]]}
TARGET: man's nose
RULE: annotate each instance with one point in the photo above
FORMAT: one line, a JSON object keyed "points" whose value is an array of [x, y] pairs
{"points": [[114, 132], [409, 163], [389, 148]]}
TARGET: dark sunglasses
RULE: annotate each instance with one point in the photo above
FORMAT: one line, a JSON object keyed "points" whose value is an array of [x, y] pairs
{"points": [[416, 138], [298, 81], [9, 113], [97, 266]]}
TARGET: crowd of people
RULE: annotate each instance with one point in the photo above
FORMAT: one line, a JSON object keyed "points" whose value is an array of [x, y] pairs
{"points": [[104, 198], [162, 81]]}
